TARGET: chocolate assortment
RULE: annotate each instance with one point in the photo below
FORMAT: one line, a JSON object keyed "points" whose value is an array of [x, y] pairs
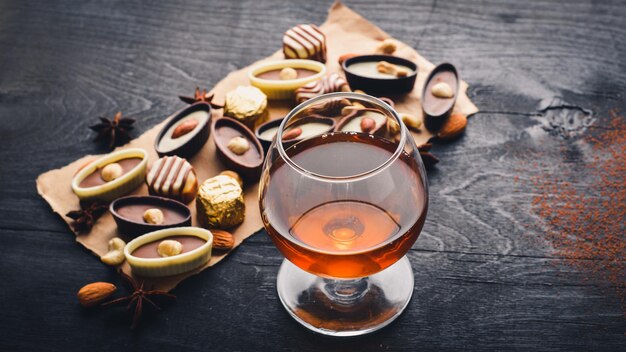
{"points": [[173, 177], [162, 220], [254, 99]]}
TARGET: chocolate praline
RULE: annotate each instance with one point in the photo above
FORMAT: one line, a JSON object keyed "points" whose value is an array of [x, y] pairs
{"points": [[247, 164], [437, 110], [190, 143], [128, 214], [380, 86], [89, 183]]}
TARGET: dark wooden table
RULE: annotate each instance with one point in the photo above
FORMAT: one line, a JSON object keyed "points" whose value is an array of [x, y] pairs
{"points": [[480, 284]]}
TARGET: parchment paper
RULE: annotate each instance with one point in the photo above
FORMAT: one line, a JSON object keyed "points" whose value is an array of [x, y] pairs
{"points": [[346, 32]]}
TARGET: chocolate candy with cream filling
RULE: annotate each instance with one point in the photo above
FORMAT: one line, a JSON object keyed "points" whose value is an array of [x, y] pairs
{"points": [[149, 250], [130, 214], [95, 178]]}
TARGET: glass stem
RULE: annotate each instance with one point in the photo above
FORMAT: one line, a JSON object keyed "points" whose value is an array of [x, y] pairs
{"points": [[346, 291]]}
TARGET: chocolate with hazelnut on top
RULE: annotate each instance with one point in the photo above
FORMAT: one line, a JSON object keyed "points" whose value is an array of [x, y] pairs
{"points": [[109, 172], [286, 73], [237, 147], [169, 246]]}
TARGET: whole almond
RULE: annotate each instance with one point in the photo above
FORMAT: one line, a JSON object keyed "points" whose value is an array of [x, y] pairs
{"points": [[95, 293], [367, 124], [453, 127], [292, 133], [222, 240], [345, 57], [184, 128]]}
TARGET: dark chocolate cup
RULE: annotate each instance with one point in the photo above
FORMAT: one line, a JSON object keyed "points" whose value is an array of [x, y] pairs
{"points": [[380, 86], [192, 146], [434, 122], [263, 127], [249, 171], [128, 227]]}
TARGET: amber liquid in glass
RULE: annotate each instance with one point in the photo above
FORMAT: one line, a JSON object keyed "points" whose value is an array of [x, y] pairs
{"points": [[344, 229]]}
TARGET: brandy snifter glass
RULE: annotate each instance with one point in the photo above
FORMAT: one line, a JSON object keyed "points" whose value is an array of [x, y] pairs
{"points": [[344, 205]]}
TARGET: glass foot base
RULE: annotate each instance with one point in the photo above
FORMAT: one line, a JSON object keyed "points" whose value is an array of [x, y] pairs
{"points": [[345, 307]]}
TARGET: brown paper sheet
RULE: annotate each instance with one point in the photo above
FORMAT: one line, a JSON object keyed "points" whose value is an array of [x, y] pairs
{"points": [[346, 32]]}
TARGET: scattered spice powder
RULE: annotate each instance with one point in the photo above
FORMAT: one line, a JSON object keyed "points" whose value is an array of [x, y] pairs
{"points": [[587, 225]]}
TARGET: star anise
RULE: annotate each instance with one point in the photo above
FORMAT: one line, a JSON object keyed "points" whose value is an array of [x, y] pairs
{"points": [[114, 132], [86, 217], [139, 297], [201, 96], [428, 159]]}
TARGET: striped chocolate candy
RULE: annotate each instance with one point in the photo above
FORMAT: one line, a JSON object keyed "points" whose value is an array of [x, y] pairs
{"points": [[305, 41], [330, 84], [173, 177]]}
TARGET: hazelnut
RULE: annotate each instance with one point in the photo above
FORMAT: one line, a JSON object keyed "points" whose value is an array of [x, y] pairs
{"points": [[367, 124], [288, 73], [292, 133], [411, 121], [358, 91], [169, 248], [115, 255], [387, 46], [111, 171], [234, 175], [153, 216], [238, 145], [442, 90]]}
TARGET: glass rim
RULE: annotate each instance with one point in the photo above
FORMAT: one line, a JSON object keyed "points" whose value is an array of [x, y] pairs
{"points": [[351, 178]]}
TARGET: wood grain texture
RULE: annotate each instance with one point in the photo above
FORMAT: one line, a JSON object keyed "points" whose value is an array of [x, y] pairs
{"points": [[482, 281]]}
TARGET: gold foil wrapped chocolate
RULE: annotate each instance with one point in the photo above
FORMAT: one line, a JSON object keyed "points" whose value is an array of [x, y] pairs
{"points": [[246, 104], [220, 203]]}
